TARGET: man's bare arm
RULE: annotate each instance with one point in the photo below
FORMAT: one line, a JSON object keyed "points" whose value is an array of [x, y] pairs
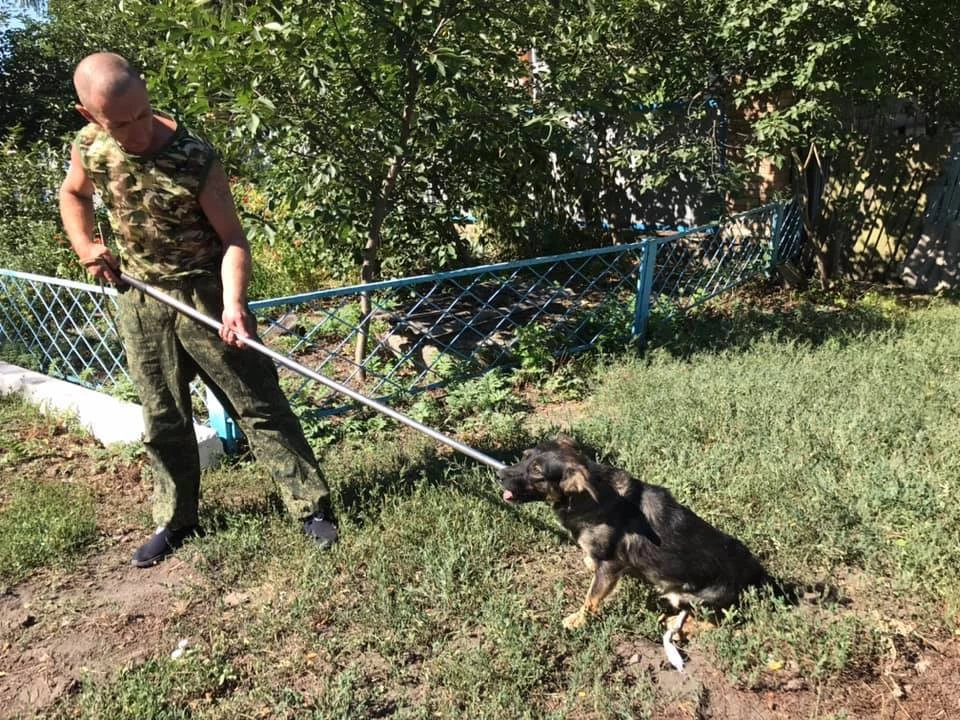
{"points": [[76, 211], [218, 205]]}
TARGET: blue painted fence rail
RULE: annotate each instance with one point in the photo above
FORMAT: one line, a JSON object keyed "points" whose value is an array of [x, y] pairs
{"points": [[429, 329]]}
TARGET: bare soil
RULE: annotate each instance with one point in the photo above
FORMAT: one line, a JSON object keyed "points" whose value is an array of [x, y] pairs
{"points": [[93, 619]]}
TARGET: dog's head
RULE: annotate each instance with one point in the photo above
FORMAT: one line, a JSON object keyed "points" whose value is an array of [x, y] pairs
{"points": [[553, 471]]}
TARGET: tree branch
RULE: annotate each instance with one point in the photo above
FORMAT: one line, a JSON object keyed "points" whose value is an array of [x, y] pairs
{"points": [[356, 72]]}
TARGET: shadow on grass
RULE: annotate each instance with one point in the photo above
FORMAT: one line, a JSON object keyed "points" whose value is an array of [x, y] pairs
{"points": [[363, 499], [218, 515], [739, 321], [378, 479]]}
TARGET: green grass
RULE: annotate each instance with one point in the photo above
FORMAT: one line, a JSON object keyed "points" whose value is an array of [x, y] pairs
{"points": [[160, 688], [17, 354], [43, 525], [825, 437], [765, 641], [841, 454]]}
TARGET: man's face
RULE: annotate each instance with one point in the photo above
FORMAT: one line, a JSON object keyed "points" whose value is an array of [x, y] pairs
{"points": [[127, 118]]}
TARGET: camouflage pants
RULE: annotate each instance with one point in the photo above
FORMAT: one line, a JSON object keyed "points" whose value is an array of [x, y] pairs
{"points": [[165, 351]]}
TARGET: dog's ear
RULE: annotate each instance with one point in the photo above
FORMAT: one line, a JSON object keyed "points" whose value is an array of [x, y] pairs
{"points": [[576, 479], [567, 442]]}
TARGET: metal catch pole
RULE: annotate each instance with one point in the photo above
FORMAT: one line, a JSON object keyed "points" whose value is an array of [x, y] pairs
{"points": [[307, 372]]}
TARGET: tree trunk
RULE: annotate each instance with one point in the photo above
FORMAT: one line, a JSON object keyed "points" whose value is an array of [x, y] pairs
{"points": [[814, 242], [370, 268]]}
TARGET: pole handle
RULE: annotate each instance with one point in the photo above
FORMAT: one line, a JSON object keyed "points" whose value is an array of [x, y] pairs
{"points": [[312, 375]]}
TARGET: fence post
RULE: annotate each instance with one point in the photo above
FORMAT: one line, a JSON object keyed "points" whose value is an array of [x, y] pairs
{"points": [[641, 306], [775, 232]]}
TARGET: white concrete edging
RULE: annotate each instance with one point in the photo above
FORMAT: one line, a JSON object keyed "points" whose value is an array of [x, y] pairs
{"points": [[109, 419]]}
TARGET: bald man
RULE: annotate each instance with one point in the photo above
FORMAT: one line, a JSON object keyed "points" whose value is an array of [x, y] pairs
{"points": [[177, 227]]}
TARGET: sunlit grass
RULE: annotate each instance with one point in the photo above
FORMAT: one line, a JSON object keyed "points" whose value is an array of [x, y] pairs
{"points": [[825, 439]]}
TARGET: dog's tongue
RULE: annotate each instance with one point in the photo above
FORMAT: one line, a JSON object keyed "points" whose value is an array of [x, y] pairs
{"points": [[507, 496]]}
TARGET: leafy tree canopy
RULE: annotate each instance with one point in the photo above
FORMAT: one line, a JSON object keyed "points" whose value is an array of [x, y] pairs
{"points": [[359, 130]]}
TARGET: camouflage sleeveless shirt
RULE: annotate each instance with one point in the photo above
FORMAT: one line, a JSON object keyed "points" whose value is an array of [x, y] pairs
{"points": [[162, 231]]}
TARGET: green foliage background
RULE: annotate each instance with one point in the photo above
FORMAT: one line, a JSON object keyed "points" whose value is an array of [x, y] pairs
{"points": [[353, 124]]}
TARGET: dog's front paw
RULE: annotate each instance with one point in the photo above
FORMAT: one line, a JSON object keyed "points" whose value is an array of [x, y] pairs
{"points": [[577, 620]]}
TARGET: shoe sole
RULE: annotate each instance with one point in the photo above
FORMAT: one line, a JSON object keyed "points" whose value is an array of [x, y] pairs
{"points": [[149, 563], [157, 559]]}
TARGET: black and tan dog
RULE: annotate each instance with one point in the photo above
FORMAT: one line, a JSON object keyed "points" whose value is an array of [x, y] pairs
{"points": [[627, 527]]}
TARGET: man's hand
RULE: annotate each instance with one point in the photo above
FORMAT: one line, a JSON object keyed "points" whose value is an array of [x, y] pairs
{"points": [[237, 325], [101, 263]]}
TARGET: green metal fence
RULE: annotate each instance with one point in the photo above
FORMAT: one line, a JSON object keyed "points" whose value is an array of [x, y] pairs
{"points": [[425, 330]]}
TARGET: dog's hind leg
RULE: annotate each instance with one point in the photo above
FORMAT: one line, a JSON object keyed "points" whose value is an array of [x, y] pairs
{"points": [[605, 579], [673, 655]]}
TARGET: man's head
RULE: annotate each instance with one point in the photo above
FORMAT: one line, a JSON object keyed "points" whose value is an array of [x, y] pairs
{"points": [[113, 95]]}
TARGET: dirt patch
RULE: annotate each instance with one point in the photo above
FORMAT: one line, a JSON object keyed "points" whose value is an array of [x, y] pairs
{"points": [[916, 678], [920, 679], [61, 625], [923, 684], [555, 416], [105, 615]]}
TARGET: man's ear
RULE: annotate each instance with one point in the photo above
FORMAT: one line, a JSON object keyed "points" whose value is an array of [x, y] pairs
{"points": [[577, 480], [86, 113]]}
